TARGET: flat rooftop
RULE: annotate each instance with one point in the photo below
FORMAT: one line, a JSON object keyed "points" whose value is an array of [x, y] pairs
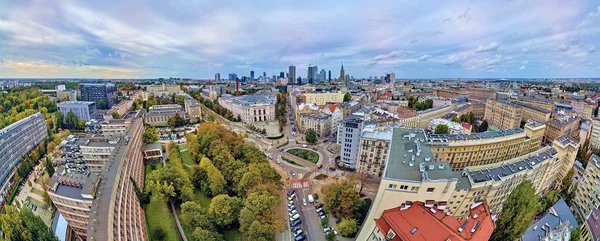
{"points": [[378, 132], [533, 123], [475, 136], [533, 107], [506, 102], [496, 173], [73, 185], [411, 159], [567, 139]]}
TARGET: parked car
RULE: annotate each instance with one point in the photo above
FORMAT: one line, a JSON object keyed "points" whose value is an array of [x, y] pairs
{"points": [[294, 217], [320, 166], [304, 202], [304, 145], [323, 216], [327, 229], [320, 205], [319, 210], [298, 232], [292, 197], [291, 191], [332, 169], [300, 238], [293, 212], [310, 198], [295, 223], [291, 208], [293, 173], [281, 150], [294, 229]]}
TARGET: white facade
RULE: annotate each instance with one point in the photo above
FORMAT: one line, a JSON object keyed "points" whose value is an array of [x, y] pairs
{"points": [[251, 108], [352, 128]]}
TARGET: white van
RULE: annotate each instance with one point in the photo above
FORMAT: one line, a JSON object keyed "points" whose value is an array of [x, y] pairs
{"points": [[310, 198]]}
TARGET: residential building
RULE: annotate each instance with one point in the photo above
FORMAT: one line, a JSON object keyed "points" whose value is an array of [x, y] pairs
{"points": [[116, 212], [532, 112], [583, 108], [503, 114], [84, 110], [193, 109], [463, 150], [320, 123], [595, 137], [69, 95], [337, 115], [374, 147], [120, 109], [422, 119], [587, 199], [560, 126], [114, 127], [413, 174], [447, 93], [351, 131], [351, 107], [481, 93], [162, 89], [96, 150], [16, 140], [425, 221], [323, 98], [251, 108], [453, 127], [73, 191], [96, 92], [567, 148], [556, 224]]}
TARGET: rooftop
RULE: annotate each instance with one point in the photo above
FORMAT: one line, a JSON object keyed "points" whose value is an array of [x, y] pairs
{"points": [[410, 159], [165, 112], [593, 223], [416, 221], [164, 107], [562, 121], [533, 107], [378, 132], [506, 102], [73, 184], [76, 103], [567, 139], [320, 116], [495, 172], [475, 136], [534, 123], [556, 215], [432, 109], [255, 99]]}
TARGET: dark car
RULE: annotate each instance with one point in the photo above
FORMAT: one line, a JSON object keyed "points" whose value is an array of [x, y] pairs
{"points": [[300, 238], [320, 205], [332, 169], [319, 166], [295, 229], [295, 222], [291, 191]]}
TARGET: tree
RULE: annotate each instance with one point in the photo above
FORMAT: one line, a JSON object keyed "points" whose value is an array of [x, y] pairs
{"points": [[58, 116], [225, 210], [567, 180], [518, 211], [115, 115], [347, 97], [24, 226], [102, 104], [325, 222], [71, 122], [49, 166], [205, 235], [38, 228], [441, 129], [576, 234], [341, 199], [247, 182], [330, 236], [216, 180], [548, 201], [311, 136], [194, 215], [176, 121], [483, 127], [347, 227], [150, 135], [158, 234]]}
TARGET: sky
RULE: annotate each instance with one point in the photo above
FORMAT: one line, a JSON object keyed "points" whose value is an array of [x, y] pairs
{"points": [[196, 39]]}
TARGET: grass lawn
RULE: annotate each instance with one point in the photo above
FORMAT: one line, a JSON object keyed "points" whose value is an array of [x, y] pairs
{"points": [[291, 162], [308, 155], [187, 158], [158, 216]]}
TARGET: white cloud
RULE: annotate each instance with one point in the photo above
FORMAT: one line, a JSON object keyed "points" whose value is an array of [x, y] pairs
{"points": [[591, 49], [493, 46], [424, 57], [522, 67], [589, 18]]}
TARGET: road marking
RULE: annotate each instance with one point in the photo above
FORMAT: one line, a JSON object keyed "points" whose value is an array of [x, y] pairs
{"points": [[306, 184]]}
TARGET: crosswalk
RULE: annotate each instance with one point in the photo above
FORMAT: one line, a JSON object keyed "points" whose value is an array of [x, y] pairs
{"points": [[300, 184]]}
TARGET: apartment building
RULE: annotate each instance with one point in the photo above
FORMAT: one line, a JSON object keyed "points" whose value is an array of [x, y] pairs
{"points": [[193, 109], [320, 123], [559, 126], [84, 110], [583, 108], [349, 136], [463, 150], [595, 136], [422, 119], [96, 92], [546, 104], [532, 112], [413, 174], [16, 140], [503, 114], [162, 89], [72, 192], [453, 127], [447, 93], [417, 221], [161, 118], [169, 107], [587, 196], [590, 229], [116, 213], [323, 98], [114, 127], [120, 109], [481, 93], [374, 147]]}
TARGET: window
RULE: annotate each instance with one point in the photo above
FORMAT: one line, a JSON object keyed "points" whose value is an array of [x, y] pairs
{"points": [[403, 187], [392, 186], [430, 189]]}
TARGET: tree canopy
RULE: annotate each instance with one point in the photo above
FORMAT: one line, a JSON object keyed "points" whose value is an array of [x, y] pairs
{"points": [[177, 121], [518, 211], [24, 226], [311, 136], [441, 129], [347, 97], [150, 135]]}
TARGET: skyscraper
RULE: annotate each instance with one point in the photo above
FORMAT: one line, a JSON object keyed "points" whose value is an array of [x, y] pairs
{"points": [[264, 75], [217, 77], [309, 75], [342, 74], [322, 75], [299, 80], [232, 76], [292, 74], [252, 75], [329, 75], [281, 75]]}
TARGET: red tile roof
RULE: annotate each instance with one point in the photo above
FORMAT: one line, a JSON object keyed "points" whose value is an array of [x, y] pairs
{"points": [[332, 107], [466, 125], [436, 226]]}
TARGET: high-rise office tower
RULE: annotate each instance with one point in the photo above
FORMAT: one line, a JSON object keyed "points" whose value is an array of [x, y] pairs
{"points": [[252, 75], [217, 77], [299, 80], [329, 75], [309, 74], [292, 74], [96, 92], [232, 76], [264, 75], [342, 74], [322, 75], [281, 75]]}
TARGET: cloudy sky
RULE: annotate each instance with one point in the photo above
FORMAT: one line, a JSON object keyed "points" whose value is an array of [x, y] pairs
{"points": [[184, 38]]}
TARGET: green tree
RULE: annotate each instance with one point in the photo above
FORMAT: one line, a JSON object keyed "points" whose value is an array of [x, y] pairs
{"points": [[193, 214], [247, 182], [441, 129], [176, 121], [325, 222], [483, 127], [58, 116], [115, 115], [158, 234], [39, 230], [225, 210], [150, 135], [342, 199], [347, 227], [49, 166], [518, 211], [548, 201], [71, 122], [24, 226], [347, 97], [205, 235], [576, 234], [567, 180], [102, 104], [216, 180], [311, 136], [330, 236]]}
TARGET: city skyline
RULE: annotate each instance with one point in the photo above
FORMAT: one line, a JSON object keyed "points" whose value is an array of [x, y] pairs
{"points": [[512, 39]]}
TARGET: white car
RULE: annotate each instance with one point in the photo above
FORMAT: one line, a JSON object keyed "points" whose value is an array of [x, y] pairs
{"points": [[304, 202], [292, 197], [304, 145], [328, 229], [293, 212], [310, 198], [294, 217], [298, 233]]}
